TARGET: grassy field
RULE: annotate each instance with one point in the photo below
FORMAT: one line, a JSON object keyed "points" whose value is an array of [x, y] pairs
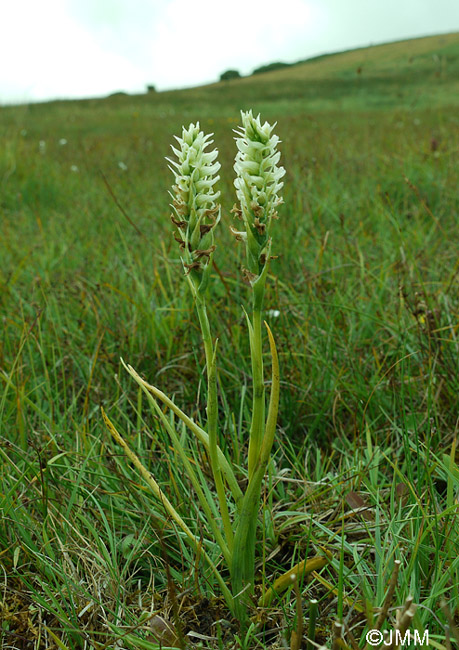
{"points": [[363, 301]]}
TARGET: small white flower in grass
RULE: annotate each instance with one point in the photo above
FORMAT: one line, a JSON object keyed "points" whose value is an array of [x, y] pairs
{"points": [[74, 168], [258, 183], [122, 166], [273, 313], [42, 146], [194, 202], [63, 142]]}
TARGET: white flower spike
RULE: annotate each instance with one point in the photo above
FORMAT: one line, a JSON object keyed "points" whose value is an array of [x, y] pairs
{"points": [[258, 183], [194, 202]]}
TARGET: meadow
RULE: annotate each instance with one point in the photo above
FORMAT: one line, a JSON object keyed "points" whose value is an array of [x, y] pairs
{"points": [[363, 302]]}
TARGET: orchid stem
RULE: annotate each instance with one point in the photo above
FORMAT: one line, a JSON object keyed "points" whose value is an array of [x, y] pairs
{"points": [[212, 418]]}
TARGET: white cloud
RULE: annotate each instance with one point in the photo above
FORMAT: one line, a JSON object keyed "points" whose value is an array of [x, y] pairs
{"points": [[49, 55], [195, 42]]}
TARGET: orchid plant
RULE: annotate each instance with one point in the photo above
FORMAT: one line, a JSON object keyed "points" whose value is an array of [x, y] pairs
{"points": [[196, 214]]}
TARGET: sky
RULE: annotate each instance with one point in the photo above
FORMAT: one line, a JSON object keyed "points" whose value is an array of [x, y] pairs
{"points": [[89, 48]]}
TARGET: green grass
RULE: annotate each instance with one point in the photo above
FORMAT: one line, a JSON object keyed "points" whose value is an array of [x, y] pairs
{"points": [[366, 285]]}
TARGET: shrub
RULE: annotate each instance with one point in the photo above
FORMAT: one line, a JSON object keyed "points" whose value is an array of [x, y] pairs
{"points": [[230, 74]]}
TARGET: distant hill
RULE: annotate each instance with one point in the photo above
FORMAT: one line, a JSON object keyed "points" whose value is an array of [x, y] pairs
{"points": [[415, 72], [433, 52]]}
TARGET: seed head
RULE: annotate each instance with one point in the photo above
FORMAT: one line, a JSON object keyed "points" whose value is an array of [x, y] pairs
{"points": [[257, 185], [194, 202]]}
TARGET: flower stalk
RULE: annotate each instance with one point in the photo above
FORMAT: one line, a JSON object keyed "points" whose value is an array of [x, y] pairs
{"points": [[257, 183], [197, 212]]}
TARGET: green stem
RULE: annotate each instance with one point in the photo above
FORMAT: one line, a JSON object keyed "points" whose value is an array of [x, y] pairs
{"points": [[212, 418], [258, 404], [243, 564]]}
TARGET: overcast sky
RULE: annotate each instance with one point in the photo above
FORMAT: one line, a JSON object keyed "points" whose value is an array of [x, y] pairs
{"points": [[82, 48]]}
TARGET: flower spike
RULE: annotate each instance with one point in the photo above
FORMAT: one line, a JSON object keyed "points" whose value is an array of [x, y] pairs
{"points": [[194, 202], [258, 183]]}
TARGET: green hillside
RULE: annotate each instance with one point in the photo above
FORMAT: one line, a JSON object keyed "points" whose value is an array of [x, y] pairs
{"points": [[363, 301], [412, 73]]}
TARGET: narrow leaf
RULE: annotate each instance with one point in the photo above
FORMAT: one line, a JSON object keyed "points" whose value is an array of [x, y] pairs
{"points": [[304, 568], [148, 478], [196, 429]]}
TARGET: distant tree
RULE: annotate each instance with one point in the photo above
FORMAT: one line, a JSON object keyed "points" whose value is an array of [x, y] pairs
{"points": [[151, 88], [230, 74], [271, 66]]}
